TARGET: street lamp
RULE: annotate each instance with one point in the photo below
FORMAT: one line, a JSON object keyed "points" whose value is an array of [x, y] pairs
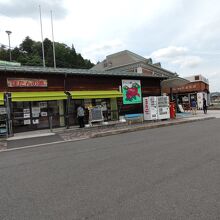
{"points": [[9, 32]]}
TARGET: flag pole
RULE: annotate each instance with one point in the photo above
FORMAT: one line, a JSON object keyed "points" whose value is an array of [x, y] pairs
{"points": [[54, 55], [42, 37]]}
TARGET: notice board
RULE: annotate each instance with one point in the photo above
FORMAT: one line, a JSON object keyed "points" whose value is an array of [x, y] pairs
{"points": [[96, 114]]}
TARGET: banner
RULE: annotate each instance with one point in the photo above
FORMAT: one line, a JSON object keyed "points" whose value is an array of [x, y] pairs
{"points": [[131, 90], [18, 82]]}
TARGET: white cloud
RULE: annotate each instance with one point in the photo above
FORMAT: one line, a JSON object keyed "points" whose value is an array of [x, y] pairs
{"points": [[188, 61], [214, 81], [179, 56], [169, 52], [102, 49], [29, 9], [186, 31]]}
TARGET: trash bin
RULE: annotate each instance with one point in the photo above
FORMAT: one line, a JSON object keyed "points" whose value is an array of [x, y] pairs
{"points": [[172, 110]]}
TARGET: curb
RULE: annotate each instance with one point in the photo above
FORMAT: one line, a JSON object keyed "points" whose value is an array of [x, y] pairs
{"points": [[107, 133], [125, 130]]}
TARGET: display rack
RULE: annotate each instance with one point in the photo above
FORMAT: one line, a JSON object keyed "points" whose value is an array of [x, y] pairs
{"points": [[3, 122], [3, 127]]}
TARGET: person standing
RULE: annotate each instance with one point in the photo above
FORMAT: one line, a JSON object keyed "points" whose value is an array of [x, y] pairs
{"points": [[80, 116], [204, 106], [193, 106]]}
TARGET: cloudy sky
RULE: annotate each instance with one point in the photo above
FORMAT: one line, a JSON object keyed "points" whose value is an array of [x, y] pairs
{"points": [[181, 34]]}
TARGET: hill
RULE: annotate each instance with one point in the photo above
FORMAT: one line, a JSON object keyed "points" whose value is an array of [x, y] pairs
{"points": [[29, 53]]}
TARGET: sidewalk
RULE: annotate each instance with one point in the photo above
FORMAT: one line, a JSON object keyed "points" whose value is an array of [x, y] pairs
{"points": [[60, 135]]}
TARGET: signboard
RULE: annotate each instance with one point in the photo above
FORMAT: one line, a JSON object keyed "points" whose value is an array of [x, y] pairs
{"points": [[43, 114], [26, 112], [27, 122], [131, 90], [43, 104], [36, 109], [146, 108], [27, 115], [150, 108], [96, 114], [35, 121], [185, 99], [18, 82], [200, 100], [187, 88], [3, 111], [200, 96]]}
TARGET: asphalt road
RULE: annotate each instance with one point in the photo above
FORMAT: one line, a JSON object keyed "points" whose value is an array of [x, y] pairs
{"points": [[164, 173]]}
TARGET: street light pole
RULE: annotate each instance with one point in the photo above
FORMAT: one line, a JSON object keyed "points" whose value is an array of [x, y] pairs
{"points": [[9, 42]]}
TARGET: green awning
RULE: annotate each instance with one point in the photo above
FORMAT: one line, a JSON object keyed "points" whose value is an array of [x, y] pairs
{"points": [[95, 94], [37, 96], [1, 98]]}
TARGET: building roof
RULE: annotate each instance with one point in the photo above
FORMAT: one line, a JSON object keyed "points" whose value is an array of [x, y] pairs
{"points": [[125, 59], [215, 94], [174, 82], [129, 54], [196, 78], [68, 71]]}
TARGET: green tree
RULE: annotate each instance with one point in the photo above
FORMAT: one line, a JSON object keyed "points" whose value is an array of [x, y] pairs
{"points": [[30, 53], [27, 45]]}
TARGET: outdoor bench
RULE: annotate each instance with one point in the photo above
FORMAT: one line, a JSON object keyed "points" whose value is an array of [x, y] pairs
{"points": [[134, 118]]}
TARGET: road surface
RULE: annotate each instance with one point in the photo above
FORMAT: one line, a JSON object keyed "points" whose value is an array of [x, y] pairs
{"points": [[164, 173]]}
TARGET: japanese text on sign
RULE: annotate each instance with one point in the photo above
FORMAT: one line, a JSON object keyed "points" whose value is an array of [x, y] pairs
{"points": [[26, 82]]}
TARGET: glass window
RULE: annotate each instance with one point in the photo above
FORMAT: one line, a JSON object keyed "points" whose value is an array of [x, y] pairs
{"points": [[21, 109], [73, 110]]}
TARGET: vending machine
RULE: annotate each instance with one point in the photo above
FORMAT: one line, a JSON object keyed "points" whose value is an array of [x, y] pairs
{"points": [[150, 108], [163, 107]]}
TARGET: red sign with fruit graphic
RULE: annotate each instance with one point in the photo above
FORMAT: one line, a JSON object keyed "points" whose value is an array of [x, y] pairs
{"points": [[131, 91]]}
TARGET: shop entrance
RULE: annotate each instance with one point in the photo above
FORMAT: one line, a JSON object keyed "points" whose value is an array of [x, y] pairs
{"points": [[109, 109], [28, 116]]}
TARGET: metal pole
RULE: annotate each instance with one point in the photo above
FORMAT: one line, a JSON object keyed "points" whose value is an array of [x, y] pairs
{"points": [[171, 94], [42, 37], [9, 44], [9, 47], [8, 110], [51, 123], [54, 55]]}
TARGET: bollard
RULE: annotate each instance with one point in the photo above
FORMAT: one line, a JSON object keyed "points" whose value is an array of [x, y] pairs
{"points": [[10, 129], [51, 123], [67, 122]]}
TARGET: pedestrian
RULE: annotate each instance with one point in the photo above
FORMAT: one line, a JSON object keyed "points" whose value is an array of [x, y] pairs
{"points": [[193, 106], [204, 106], [80, 116]]}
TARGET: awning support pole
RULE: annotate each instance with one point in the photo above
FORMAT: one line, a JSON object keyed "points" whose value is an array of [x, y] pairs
{"points": [[171, 94], [67, 109]]}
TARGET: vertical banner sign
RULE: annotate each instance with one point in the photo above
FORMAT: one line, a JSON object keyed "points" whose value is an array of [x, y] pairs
{"points": [[131, 90], [200, 100]]}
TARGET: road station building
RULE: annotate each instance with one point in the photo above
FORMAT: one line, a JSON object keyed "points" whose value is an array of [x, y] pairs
{"points": [[37, 97], [34, 94], [197, 89]]}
